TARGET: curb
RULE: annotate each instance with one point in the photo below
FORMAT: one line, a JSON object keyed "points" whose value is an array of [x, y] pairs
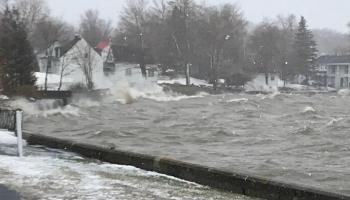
{"points": [[238, 183]]}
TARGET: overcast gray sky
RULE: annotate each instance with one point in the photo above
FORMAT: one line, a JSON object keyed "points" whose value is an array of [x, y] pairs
{"points": [[333, 14]]}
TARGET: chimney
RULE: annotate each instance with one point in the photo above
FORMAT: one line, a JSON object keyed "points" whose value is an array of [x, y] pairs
{"points": [[77, 36]]}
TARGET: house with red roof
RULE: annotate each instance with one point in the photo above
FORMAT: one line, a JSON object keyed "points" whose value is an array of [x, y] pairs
{"points": [[106, 52]]}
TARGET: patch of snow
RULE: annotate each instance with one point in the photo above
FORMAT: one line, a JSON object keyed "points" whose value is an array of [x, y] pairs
{"points": [[7, 137], [3, 97], [53, 81], [344, 92]]}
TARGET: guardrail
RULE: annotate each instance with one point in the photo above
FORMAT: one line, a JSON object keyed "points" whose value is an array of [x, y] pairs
{"points": [[12, 121]]}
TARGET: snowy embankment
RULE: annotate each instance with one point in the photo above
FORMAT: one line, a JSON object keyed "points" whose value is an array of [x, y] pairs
{"points": [[182, 81]]}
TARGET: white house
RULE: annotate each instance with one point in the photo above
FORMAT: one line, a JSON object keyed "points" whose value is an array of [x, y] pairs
{"points": [[336, 69], [76, 61]]}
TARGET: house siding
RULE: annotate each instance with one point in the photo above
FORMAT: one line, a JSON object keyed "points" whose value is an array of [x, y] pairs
{"points": [[338, 75]]}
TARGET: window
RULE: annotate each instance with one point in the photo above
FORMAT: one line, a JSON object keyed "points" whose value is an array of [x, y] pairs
{"points": [[272, 77], [346, 69], [57, 52]]}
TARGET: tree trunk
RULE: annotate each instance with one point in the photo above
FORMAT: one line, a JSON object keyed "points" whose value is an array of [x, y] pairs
{"points": [[267, 78], [60, 84], [47, 70], [143, 69]]}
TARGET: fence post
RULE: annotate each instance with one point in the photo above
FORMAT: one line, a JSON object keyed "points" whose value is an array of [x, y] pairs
{"points": [[19, 132]]}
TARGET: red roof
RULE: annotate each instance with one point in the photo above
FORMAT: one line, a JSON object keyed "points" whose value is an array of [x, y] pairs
{"points": [[102, 44]]}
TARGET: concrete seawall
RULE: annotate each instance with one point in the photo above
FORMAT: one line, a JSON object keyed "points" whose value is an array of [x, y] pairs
{"points": [[234, 182]]}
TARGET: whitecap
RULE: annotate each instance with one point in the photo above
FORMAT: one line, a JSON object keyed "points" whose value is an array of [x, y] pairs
{"points": [[309, 109], [244, 100]]}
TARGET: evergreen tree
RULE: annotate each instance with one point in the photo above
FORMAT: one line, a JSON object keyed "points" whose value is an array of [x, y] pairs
{"points": [[20, 62], [305, 50]]}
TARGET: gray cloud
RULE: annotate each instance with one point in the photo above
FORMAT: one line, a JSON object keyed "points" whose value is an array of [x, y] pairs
{"points": [[332, 14]]}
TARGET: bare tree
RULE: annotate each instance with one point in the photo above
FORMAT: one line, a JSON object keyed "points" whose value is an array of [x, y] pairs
{"points": [[65, 70], [222, 32], [288, 26], [133, 23], [93, 28], [31, 12], [264, 45], [182, 13]]}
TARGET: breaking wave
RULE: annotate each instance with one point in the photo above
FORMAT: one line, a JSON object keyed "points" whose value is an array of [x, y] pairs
{"points": [[309, 109], [44, 108], [129, 92]]}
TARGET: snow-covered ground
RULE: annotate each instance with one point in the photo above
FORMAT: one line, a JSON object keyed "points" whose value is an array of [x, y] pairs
{"points": [[53, 81], [8, 138], [53, 174], [182, 81]]}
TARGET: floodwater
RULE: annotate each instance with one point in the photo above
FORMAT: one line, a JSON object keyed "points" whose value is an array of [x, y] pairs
{"points": [[49, 174], [294, 138]]}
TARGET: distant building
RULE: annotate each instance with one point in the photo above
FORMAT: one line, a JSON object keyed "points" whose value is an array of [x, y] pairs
{"points": [[336, 69]]}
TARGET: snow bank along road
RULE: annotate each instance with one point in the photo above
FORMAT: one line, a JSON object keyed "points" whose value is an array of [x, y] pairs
{"points": [[49, 174]]}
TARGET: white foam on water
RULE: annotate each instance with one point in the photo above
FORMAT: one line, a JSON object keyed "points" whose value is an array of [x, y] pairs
{"points": [[128, 92], [44, 108], [309, 109], [244, 100], [334, 121], [344, 92]]}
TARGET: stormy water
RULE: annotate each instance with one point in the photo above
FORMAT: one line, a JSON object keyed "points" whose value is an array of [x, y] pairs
{"points": [[292, 138]]}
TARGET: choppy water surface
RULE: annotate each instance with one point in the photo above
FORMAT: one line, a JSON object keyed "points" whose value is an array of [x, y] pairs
{"points": [[293, 138], [55, 175]]}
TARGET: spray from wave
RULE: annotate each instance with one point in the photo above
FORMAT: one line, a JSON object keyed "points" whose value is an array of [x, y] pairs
{"points": [[308, 109], [44, 108], [127, 92]]}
